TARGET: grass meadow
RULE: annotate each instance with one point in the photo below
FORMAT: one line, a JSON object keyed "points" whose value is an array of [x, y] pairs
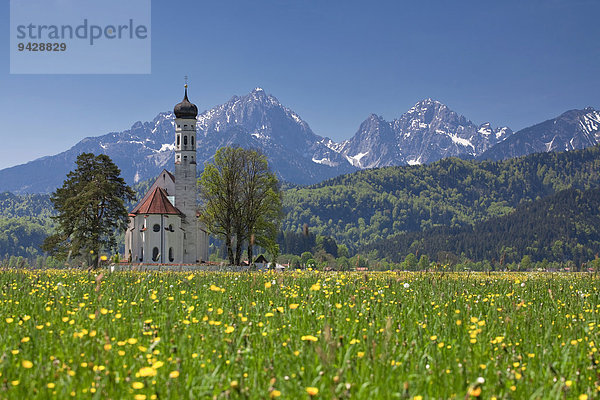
{"points": [[304, 334]]}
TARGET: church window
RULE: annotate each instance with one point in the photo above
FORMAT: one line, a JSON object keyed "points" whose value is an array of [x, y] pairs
{"points": [[185, 125], [155, 254], [171, 257], [170, 228], [156, 228], [185, 140], [192, 138], [178, 140], [141, 254]]}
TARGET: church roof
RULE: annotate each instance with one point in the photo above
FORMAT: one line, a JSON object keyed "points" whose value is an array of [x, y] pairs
{"points": [[156, 203], [185, 109]]}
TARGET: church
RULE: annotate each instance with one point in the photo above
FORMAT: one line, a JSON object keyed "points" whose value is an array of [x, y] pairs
{"points": [[164, 227]]}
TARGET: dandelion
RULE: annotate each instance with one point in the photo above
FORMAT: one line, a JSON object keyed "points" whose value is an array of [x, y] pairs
{"points": [[26, 364], [267, 285], [312, 391], [309, 338], [274, 393], [293, 306], [147, 371], [137, 385], [174, 374], [316, 287], [229, 329]]}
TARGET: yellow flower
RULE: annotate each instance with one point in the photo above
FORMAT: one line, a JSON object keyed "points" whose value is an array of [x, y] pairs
{"points": [[315, 287], [267, 285], [433, 337], [140, 397], [293, 306], [312, 391], [9, 320], [137, 385], [418, 398], [569, 383], [51, 385], [92, 316], [229, 329], [25, 339], [26, 364], [147, 371], [174, 374], [309, 338], [14, 383], [274, 393], [132, 340], [476, 392], [360, 354], [107, 346], [583, 397], [234, 384]]}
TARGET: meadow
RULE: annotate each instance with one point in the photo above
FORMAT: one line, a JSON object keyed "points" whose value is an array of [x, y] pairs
{"points": [[303, 334]]}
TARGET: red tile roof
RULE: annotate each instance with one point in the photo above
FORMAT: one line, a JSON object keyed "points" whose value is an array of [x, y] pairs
{"points": [[156, 203]]}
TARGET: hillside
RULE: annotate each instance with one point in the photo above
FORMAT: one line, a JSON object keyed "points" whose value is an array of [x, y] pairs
{"points": [[563, 226], [371, 205]]}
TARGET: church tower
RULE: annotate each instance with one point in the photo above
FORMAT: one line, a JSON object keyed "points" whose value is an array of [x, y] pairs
{"points": [[185, 176]]}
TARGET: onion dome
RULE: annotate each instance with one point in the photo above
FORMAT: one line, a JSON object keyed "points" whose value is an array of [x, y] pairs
{"points": [[185, 109]]}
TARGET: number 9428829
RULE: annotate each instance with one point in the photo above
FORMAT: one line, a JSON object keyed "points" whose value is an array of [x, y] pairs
{"points": [[41, 46]]}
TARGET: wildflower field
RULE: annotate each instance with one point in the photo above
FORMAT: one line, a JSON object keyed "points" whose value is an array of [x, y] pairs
{"points": [[137, 335]]}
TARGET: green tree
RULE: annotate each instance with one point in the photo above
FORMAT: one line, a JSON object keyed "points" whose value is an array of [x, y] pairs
{"points": [[241, 201], [261, 204], [221, 191], [90, 208]]}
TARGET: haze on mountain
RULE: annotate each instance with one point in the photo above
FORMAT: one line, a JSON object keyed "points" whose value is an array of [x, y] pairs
{"points": [[428, 132]]}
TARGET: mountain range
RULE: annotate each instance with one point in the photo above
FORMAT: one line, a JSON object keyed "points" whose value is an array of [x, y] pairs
{"points": [[428, 132]]}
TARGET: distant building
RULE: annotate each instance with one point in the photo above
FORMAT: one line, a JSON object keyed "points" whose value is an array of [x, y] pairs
{"points": [[164, 227]]}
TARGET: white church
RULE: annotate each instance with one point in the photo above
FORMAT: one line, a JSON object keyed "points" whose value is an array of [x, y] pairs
{"points": [[164, 227]]}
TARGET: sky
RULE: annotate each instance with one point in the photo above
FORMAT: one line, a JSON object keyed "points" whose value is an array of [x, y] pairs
{"points": [[511, 63]]}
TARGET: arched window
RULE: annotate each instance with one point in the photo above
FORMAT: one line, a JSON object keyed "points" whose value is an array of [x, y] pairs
{"points": [[192, 140], [170, 228], [155, 254], [178, 140], [156, 228], [185, 140], [171, 257]]}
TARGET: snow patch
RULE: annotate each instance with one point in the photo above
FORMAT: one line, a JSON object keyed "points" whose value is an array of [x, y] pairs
{"points": [[355, 160], [167, 147], [416, 161], [461, 141]]}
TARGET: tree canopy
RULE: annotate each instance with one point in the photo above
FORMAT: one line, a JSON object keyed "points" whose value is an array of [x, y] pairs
{"points": [[241, 201], [90, 208]]}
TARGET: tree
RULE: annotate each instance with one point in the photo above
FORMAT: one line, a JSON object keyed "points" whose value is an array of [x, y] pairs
{"points": [[90, 208], [241, 201], [261, 204], [221, 191]]}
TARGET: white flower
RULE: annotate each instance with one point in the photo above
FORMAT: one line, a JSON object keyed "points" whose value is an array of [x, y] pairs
{"points": [[406, 285], [480, 380]]}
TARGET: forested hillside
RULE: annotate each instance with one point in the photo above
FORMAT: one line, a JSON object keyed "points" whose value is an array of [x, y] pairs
{"points": [[561, 227], [24, 223], [371, 205]]}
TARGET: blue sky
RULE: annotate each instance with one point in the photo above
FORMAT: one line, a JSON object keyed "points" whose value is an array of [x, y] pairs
{"points": [[512, 63]]}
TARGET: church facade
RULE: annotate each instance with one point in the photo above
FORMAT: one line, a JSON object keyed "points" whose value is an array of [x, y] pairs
{"points": [[164, 227]]}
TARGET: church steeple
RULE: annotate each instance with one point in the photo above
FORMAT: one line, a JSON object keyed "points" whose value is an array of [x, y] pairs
{"points": [[185, 174]]}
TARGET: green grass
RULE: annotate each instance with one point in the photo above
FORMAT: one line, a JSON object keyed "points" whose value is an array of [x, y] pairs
{"points": [[237, 335]]}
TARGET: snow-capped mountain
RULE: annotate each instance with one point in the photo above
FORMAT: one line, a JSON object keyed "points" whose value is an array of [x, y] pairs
{"points": [[575, 129], [256, 120], [429, 131]]}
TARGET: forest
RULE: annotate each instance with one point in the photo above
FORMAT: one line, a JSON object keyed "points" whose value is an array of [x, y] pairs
{"points": [[373, 205], [447, 207], [559, 228]]}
